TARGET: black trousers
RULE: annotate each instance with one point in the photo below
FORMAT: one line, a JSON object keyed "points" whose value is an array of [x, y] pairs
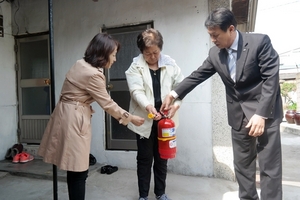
{"points": [[147, 151], [76, 184], [267, 148]]}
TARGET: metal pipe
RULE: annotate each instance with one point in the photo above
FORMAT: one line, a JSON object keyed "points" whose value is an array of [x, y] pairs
{"points": [[52, 85]]}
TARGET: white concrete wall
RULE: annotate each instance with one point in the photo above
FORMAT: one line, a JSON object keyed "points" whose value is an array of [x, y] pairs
{"points": [[185, 39], [8, 103]]}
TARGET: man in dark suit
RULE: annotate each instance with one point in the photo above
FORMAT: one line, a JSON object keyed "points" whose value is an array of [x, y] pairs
{"points": [[249, 68]]}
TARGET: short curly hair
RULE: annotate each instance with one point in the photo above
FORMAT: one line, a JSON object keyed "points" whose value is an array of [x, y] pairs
{"points": [[148, 38]]}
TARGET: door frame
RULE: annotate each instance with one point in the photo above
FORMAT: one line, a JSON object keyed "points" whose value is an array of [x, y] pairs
{"points": [[38, 125]]}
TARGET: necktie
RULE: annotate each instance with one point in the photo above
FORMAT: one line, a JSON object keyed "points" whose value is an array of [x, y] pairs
{"points": [[231, 64]]}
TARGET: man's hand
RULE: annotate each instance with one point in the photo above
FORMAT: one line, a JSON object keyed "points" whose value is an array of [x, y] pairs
{"points": [[172, 110], [256, 125], [166, 103]]}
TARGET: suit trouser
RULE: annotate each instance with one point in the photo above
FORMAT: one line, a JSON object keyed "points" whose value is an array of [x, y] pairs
{"points": [[147, 150], [267, 148]]}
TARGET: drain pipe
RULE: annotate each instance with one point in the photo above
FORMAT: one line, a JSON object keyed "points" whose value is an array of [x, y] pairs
{"points": [[52, 88]]}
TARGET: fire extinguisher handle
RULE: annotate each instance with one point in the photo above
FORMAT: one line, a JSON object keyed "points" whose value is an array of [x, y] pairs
{"points": [[164, 115]]}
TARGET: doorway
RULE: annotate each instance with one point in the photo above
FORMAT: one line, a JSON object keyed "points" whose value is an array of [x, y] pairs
{"points": [[33, 87], [119, 137]]}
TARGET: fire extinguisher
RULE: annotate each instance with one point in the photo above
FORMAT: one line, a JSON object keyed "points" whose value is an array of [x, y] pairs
{"points": [[166, 138]]}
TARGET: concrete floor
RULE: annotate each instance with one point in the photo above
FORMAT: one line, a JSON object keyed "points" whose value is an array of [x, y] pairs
{"points": [[33, 181]]}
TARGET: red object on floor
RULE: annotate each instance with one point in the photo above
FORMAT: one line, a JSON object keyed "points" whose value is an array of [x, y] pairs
{"points": [[16, 158], [25, 157]]}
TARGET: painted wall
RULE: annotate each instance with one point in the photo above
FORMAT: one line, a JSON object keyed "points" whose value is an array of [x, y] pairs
{"points": [[185, 39], [8, 102]]}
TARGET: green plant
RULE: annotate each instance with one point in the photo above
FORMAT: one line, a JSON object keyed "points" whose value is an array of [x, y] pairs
{"points": [[286, 89], [292, 106]]}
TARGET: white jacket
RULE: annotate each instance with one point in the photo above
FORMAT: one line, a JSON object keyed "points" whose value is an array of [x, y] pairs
{"points": [[140, 86]]}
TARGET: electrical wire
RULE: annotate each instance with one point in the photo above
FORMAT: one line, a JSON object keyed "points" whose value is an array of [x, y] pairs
{"points": [[280, 5], [18, 7]]}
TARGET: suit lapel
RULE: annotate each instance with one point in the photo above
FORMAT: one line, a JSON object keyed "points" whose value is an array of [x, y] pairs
{"points": [[242, 53]]}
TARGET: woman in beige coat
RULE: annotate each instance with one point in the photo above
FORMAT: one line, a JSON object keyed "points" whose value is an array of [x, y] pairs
{"points": [[67, 137]]}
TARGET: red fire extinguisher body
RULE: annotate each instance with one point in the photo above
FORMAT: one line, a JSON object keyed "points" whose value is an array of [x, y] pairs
{"points": [[166, 138]]}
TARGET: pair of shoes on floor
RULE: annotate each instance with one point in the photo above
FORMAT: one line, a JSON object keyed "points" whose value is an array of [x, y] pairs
{"points": [[13, 151], [108, 169], [143, 198], [22, 158], [162, 197]]}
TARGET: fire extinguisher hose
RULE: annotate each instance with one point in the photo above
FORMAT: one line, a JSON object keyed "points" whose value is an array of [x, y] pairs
{"points": [[166, 139]]}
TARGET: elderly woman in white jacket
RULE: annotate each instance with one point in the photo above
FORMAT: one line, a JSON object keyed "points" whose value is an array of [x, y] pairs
{"points": [[151, 76]]}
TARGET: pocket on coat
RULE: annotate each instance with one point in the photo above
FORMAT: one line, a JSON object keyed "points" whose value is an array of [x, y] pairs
{"points": [[86, 123]]}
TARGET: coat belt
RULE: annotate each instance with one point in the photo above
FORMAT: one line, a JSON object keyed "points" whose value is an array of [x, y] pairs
{"points": [[77, 103]]}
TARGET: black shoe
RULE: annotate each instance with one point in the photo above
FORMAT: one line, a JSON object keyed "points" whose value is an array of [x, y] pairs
{"points": [[108, 169], [111, 170], [103, 169], [93, 160]]}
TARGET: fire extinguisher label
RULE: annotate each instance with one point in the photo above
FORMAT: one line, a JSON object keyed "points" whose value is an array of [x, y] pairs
{"points": [[168, 132], [172, 143]]}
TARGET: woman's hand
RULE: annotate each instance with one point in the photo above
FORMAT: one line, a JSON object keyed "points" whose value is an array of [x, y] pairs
{"points": [[150, 109], [157, 116], [137, 120]]}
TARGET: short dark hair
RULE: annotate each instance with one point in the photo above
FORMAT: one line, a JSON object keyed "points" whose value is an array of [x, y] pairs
{"points": [[149, 37], [221, 17], [100, 47]]}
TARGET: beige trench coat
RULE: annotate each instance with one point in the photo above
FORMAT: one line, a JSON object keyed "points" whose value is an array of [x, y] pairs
{"points": [[67, 137]]}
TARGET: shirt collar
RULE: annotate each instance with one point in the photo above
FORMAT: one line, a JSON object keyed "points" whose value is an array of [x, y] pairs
{"points": [[234, 45], [163, 60]]}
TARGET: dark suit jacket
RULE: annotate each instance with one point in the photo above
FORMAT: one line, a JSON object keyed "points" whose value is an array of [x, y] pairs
{"points": [[256, 90]]}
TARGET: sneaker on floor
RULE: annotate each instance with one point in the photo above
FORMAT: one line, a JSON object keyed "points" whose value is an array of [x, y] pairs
{"points": [[162, 197], [14, 150], [16, 158], [19, 147], [25, 157], [143, 198], [8, 155]]}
